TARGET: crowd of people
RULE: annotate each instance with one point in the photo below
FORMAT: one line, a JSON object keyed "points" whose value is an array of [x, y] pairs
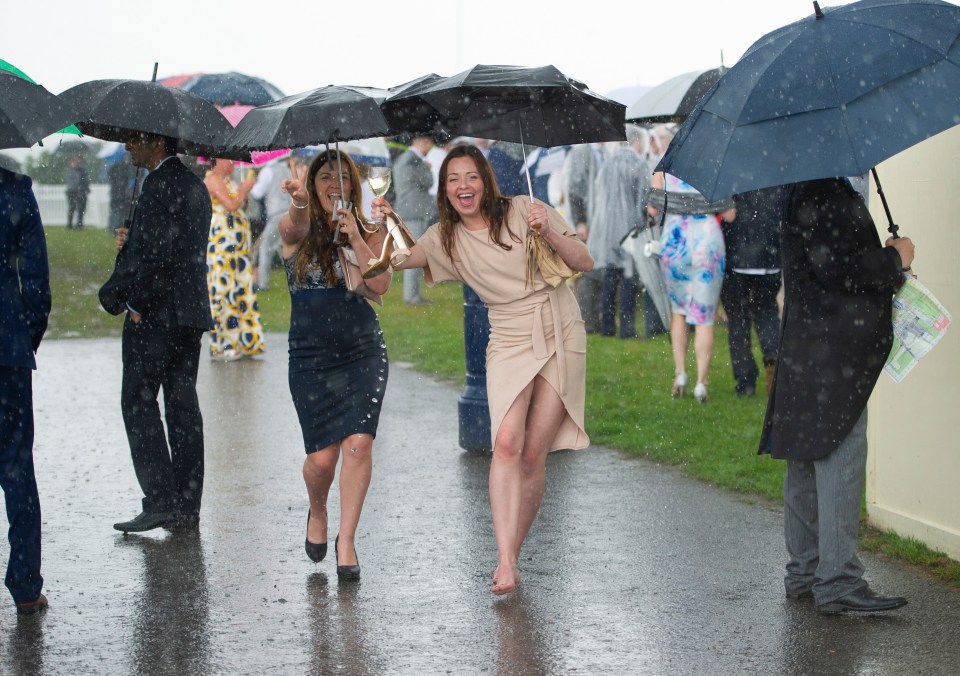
{"points": [[184, 269]]}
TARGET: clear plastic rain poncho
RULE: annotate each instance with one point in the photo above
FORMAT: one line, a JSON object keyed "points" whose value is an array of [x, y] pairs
{"points": [[616, 207]]}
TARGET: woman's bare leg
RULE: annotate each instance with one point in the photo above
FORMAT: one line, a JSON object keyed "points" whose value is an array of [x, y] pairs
{"points": [[703, 348], [679, 338], [319, 469], [506, 491], [544, 416], [355, 472]]}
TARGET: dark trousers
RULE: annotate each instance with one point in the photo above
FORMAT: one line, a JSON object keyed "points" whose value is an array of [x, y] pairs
{"points": [[76, 203], [750, 300], [156, 356], [617, 292], [19, 484], [588, 296]]}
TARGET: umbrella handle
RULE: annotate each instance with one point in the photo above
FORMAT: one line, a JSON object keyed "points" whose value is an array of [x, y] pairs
{"points": [[893, 228]]}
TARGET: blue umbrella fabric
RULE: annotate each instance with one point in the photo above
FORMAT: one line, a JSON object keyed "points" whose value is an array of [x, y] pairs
{"points": [[224, 89], [833, 94]]}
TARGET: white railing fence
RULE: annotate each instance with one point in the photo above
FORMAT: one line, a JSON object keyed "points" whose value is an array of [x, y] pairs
{"points": [[53, 205]]}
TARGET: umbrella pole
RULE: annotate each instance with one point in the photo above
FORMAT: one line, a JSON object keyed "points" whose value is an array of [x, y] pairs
{"points": [[339, 169], [893, 226], [136, 174], [526, 168]]}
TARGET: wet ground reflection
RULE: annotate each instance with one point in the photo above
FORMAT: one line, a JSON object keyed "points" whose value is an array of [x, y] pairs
{"points": [[630, 568]]}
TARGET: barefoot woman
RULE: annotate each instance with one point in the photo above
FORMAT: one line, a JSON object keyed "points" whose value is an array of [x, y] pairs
{"points": [[536, 359]]}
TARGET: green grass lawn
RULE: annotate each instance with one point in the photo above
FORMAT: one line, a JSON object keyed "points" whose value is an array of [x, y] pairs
{"points": [[628, 404]]}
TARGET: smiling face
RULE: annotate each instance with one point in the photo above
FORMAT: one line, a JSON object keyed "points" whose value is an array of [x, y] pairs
{"points": [[464, 187], [326, 183]]}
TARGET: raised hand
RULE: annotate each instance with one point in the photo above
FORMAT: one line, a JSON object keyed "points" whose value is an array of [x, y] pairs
{"points": [[296, 185]]}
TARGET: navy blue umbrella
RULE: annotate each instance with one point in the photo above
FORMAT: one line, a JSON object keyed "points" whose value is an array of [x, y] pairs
{"points": [[834, 94], [225, 89]]}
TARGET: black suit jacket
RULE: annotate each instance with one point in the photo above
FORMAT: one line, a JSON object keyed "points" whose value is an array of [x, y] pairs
{"points": [[161, 270], [836, 332], [24, 274]]}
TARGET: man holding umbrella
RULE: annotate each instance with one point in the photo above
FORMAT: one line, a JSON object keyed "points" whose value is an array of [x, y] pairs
{"points": [[160, 283], [835, 337]]}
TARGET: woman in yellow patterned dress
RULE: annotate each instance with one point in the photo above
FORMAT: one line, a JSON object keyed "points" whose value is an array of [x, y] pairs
{"points": [[237, 332]]}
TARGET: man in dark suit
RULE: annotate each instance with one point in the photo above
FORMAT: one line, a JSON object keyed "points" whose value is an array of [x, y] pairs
{"points": [[834, 340], [160, 282], [24, 308], [750, 284]]}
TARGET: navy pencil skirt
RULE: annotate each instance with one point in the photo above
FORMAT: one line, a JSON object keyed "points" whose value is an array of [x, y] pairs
{"points": [[338, 365]]}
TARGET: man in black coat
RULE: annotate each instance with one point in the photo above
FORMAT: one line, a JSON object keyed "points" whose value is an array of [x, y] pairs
{"points": [[835, 336], [159, 281], [24, 308]]}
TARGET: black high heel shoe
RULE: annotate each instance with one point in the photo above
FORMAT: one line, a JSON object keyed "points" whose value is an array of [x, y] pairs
{"points": [[346, 572], [315, 552]]}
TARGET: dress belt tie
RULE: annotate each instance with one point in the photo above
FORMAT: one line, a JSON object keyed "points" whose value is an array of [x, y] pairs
{"points": [[540, 340], [534, 306]]}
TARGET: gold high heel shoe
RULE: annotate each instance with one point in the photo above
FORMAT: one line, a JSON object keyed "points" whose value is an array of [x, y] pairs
{"points": [[396, 247]]}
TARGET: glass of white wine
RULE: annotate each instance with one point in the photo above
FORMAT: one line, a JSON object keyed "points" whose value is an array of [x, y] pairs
{"points": [[379, 180]]}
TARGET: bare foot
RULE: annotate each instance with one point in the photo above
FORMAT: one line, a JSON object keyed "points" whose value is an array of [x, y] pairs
{"points": [[505, 579]]}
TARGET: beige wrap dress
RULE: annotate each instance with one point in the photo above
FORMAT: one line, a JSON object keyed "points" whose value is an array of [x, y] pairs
{"points": [[524, 322]]}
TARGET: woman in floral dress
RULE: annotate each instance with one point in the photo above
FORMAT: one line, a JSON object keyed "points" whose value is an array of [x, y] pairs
{"points": [[237, 332], [692, 258]]}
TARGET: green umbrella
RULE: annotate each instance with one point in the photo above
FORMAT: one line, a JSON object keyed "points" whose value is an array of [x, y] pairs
{"points": [[7, 66]]}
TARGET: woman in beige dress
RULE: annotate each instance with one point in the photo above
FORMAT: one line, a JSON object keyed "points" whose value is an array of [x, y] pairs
{"points": [[536, 357]]}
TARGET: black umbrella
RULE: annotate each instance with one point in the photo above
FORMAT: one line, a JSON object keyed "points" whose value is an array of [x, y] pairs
{"points": [[536, 106], [324, 115], [229, 88], [675, 99], [830, 95], [28, 112], [112, 109]]}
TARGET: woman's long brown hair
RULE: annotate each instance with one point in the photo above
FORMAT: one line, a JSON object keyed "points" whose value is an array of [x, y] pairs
{"points": [[317, 249], [494, 207]]}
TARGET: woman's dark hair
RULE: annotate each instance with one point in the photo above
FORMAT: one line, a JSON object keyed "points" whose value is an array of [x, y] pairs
{"points": [[317, 249], [494, 207]]}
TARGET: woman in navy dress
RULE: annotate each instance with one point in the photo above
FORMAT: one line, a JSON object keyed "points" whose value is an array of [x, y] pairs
{"points": [[338, 360]]}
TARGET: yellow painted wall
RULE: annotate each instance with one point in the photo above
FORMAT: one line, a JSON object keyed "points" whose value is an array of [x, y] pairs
{"points": [[913, 474]]}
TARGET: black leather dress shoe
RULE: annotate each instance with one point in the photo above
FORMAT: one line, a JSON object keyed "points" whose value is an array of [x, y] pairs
{"points": [[863, 600], [33, 607], [800, 595], [145, 521]]}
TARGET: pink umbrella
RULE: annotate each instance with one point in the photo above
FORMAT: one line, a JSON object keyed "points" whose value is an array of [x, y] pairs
{"points": [[234, 113]]}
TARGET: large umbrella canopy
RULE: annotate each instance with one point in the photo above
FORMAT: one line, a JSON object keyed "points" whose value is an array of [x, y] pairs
{"points": [[28, 112], [537, 106], [324, 115], [112, 109], [675, 99], [834, 94], [232, 87]]}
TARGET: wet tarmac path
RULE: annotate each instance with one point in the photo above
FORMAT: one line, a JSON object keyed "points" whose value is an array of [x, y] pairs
{"points": [[630, 568]]}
